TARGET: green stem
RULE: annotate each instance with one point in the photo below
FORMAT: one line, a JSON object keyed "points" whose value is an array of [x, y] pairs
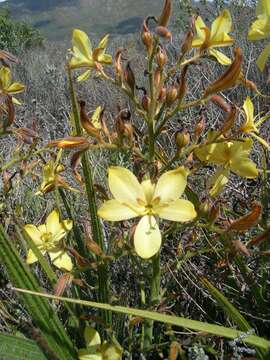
{"points": [[154, 300], [103, 291]]}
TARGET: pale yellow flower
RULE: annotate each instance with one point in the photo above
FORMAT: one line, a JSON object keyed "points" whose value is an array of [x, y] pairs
{"points": [[6, 85], [95, 350], [83, 56], [250, 127], [47, 237], [229, 156], [150, 201], [216, 37], [260, 29]]}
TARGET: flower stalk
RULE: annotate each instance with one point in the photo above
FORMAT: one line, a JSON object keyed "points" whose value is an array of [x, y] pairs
{"points": [[103, 291]]}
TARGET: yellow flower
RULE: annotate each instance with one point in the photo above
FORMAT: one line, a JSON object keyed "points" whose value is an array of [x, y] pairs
{"points": [[249, 126], [52, 179], [229, 156], [86, 57], [216, 37], [95, 350], [148, 200], [6, 85], [47, 237], [260, 29]]}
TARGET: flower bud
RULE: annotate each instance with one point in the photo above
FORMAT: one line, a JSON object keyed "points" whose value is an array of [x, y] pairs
{"points": [[146, 102], [187, 43], [128, 131], [161, 58], [214, 213], [157, 78], [182, 138], [163, 32], [171, 96], [147, 37], [162, 94], [118, 64], [166, 13], [130, 77], [199, 127]]}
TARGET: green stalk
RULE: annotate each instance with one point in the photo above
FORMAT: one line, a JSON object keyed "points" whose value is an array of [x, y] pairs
{"points": [[154, 300], [103, 291], [155, 278]]}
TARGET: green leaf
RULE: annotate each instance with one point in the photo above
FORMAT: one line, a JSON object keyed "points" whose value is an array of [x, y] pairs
{"points": [[16, 348], [230, 310], [43, 315], [215, 330]]}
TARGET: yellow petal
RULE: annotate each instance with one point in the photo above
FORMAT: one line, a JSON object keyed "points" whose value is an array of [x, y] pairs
{"points": [[57, 229], [103, 42], [221, 58], [125, 187], [217, 182], [180, 210], [15, 88], [34, 233], [148, 188], [249, 125], [16, 101], [262, 59], [5, 77], [95, 118], [89, 354], [220, 29], [105, 59], [81, 44], [261, 140], [91, 337], [113, 210], [147, 237], [61, 259], [246, 168], [200, 36], [204, 152], [171, 185], [111, 352], [53, 222], [84, 76], [263, 8], [42, 229], [31, 257]]}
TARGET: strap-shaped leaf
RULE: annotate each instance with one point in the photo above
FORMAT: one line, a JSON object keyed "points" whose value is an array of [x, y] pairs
{"points": [[231, 311], [213, 329], [43, 315], [16, 348]]}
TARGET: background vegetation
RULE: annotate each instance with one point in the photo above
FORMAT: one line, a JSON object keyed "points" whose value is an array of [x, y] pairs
{"points": [[188, 255]]}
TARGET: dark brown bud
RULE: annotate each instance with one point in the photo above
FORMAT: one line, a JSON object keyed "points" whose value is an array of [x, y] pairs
{"points": [[146, 102], [199, 127], [187, 43], [130, 78], [165, 14], [87, 123], [162, 94], [220, 102], [147, 37], [163, 32]]}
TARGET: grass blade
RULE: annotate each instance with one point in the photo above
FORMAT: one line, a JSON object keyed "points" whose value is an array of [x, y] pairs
{"points": [[42, 313], [215, 330]]}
